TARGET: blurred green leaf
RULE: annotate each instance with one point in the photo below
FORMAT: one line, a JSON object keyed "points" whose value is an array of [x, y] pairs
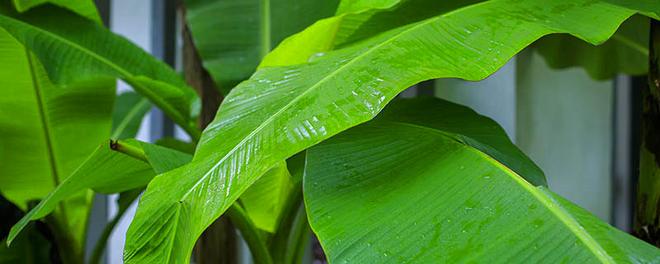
{"points": [[74, 49], [85, 8], [232, 44], [626, 52], [41, 128]]}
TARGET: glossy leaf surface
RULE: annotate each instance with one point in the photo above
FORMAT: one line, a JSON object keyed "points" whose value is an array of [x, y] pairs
{"points": [[401, 189], [283, 110], [626, 52], [40, 128], [108, 171], [75, 49], [130, 108], [232, 44]]}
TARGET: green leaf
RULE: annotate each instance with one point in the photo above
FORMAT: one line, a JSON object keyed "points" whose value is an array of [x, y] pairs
{"points": [[130, 108], [85, 8], [264, 201], [357, 6], [109, 171], [626, 52], [466, 126], [73, 49], [40, 126], [409, 190], [173, 143], [349, 27], [283, 110], [232, 44], [649, 8]]}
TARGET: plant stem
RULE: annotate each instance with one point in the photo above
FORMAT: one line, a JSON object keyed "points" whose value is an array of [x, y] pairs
{"points": [[647, 213], [257, 246], [298, 237], [135, 152], [69, 251], [280, 240]]}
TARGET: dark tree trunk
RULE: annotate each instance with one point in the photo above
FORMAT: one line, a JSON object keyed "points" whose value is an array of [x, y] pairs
{"points": [[647, 214], [218, 243]]}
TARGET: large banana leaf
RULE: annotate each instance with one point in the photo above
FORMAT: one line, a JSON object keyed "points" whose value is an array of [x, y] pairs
{"points": [[85, 8], [108, 171], [626, 52], [408, 189], [232, 44], [74, 49], [283, 110], [40, 126]]}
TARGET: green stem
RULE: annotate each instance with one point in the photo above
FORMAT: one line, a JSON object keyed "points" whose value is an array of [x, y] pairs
{"points": [[257, 246], [66, 245], [280, 240], [265, 28], [298, 237], [130, 150]]}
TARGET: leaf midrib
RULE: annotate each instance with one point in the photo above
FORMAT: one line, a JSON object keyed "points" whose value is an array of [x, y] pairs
{"points": [[74, 45], [46, 130], [631, 44], [549, 203], [298, 98]]}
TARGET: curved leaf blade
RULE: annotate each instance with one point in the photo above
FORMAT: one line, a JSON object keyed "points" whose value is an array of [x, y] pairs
{"points": [[464, 125], [107, 171], [74, 49], [40, 126], [283, 110], [393, 191]]}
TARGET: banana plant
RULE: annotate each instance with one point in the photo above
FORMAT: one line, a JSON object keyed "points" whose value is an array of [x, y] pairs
{"points": [[310, 143]]}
